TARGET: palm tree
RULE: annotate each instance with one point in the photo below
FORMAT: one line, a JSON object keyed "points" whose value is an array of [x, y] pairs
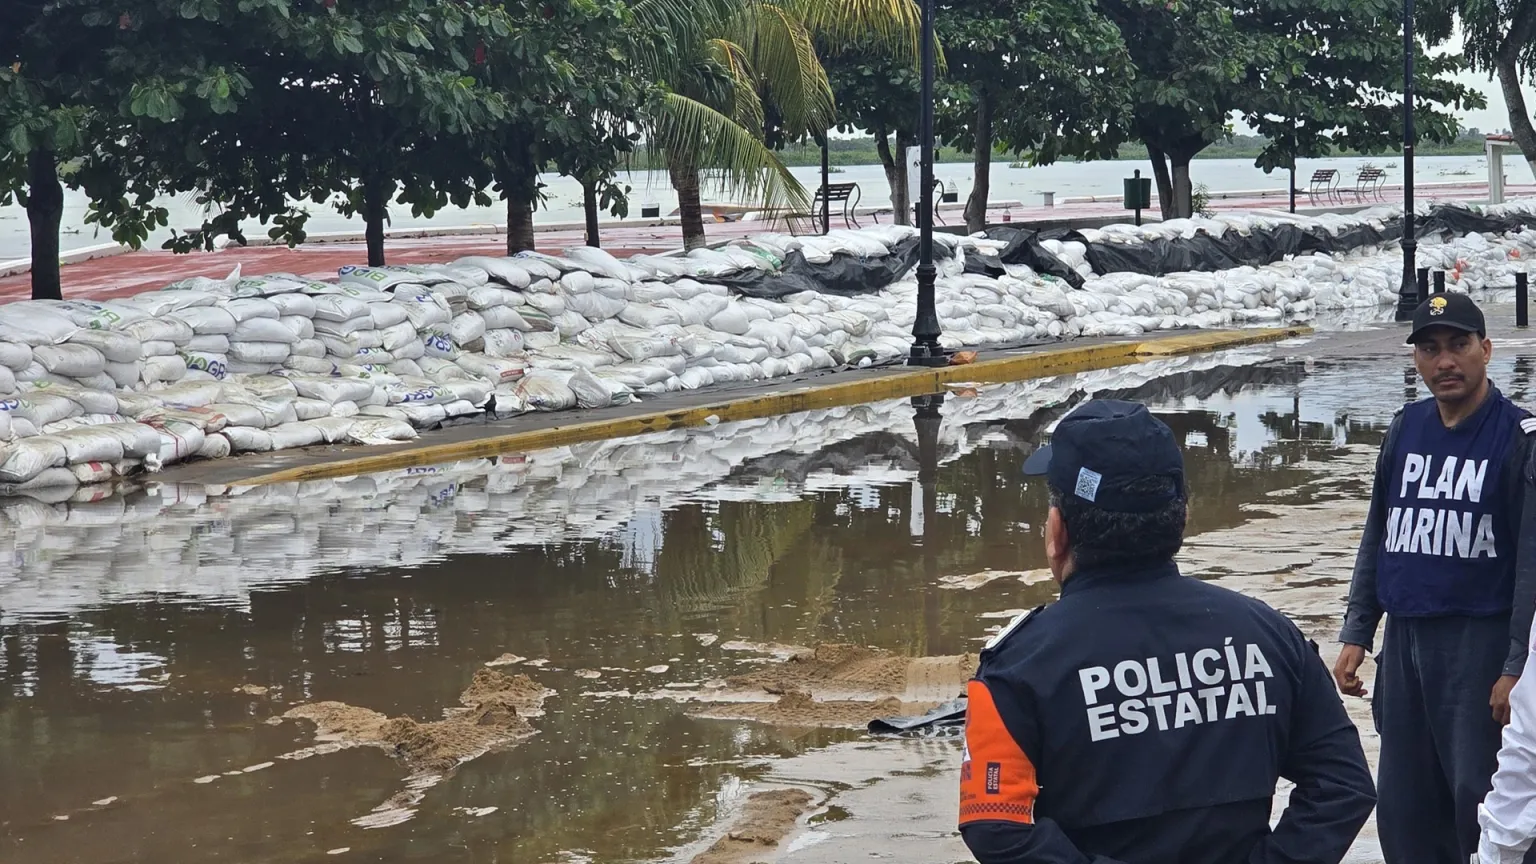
{"points": [[734, 59]]}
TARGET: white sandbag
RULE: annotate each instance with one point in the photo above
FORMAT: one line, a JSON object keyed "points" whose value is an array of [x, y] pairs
{"points": [[413, 350], [34, 324], [423, 308], [466, 328], [398, 336], [504, 343], [570, 324], [89, 444], [40, 408], [460, 408], [139, 440], [438, 369], [490, 297], [407, 367], [503, 270], [160, 349], [546, 390], [471, 390], [204, 284], [379, 279], [243, 439], [504, 318], [598, 261], [386, 315], [26, 458], [239, 414], [179, 442], [380, 430], [214, 365], [299, 326], [70, 360], [593, 306], [594, 392], [332, 429], [92, 472], [293, 305], [96, 316], [308, 348], [351, 347], [343, 329], [33, 372], [343, 409], [648, 317], [577, 282], [310, 409], [550, 304], [165, 329], [215, 446], [163, 370], [290, 435], [115, 347], [124, 375], [492, 368], [423, 416], [15, 356], [411, 394], [732, 319], [336, 308], [258, 353], [542, 266], [333, 390], [207, 320], [439, 343], [213, 343], [158, 303], [197, 394]]}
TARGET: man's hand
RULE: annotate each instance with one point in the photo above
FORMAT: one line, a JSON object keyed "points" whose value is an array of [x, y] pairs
{"points": [[1350, 684], [1499, 701]]}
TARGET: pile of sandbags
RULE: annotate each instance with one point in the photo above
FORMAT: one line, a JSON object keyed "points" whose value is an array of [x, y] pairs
{"points": [[205, 368]]}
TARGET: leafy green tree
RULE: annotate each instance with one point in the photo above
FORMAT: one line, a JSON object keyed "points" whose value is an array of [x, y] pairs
{"points": [[1499, 40], [878, 93], [1043, 78]]}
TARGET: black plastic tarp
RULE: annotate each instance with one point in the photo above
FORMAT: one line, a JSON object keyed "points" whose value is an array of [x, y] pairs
{"points": [[1024, 248], [846, 274]]}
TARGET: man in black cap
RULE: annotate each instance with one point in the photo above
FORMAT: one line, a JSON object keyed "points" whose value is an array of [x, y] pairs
{"points": [[1449, 556], [1145, 716]]}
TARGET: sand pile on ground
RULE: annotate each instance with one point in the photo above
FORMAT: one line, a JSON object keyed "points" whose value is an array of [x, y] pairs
{"points": [[799, 709], [494, 707], [767, 819]]}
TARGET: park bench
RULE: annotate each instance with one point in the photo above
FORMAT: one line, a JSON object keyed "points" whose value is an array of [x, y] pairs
{"points": [[846, 194], [1325, 182], [1369, 182]]}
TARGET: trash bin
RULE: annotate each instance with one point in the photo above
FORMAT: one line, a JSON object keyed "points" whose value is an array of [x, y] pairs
{"points": [[1138, 192]]}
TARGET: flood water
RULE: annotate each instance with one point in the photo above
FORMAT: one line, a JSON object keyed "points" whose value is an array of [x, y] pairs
{"points": [[150, 640]]}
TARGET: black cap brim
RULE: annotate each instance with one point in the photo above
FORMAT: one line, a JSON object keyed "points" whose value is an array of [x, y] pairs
{"points": [[1413, 338], [1038, 462]]}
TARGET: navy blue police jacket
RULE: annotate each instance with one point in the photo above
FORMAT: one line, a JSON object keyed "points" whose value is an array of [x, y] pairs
{"points": [[1145, 718]]}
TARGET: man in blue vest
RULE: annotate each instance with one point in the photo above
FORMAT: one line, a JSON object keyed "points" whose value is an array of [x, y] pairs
{"points": [[1145, 717], [1449, 556]]}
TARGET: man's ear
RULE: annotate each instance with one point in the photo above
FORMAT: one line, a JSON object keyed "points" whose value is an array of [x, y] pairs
{"points": [[1057, 545]]}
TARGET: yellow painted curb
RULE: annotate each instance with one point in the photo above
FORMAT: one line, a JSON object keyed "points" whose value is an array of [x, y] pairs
{"points": [[869, 388]]}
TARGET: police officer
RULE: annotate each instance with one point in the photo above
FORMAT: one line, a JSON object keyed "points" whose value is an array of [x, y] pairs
{"points": [[1145, 717], [1444, 556]]}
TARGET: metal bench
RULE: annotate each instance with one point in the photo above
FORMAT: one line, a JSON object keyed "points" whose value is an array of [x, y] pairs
{"points": [[846, 194], [1369, 182], [1325, 182]]}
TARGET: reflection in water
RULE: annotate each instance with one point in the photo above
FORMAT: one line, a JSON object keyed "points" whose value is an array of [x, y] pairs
{"points": [[147, 640]]}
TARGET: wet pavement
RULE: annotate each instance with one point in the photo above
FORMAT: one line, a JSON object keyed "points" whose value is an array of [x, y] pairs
{"points": [[524, 658]]}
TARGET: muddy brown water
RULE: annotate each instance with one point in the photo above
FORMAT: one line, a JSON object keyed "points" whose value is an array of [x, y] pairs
{"points": [[151, 643]]}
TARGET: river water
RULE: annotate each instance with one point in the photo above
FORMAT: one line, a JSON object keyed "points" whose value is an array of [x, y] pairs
{"points": [[1008, 183], [152, 640]]}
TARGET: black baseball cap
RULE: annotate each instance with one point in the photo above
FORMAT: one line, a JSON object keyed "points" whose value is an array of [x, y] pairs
{"points": [[1105, 445], [1456, 311]]}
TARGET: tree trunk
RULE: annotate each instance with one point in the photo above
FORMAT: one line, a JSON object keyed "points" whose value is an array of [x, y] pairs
{"points": [[1161, 179], [589, 204], [45, 210], [519, 223], [895, 174], [976, 206], [1520, 127], [1183, 190], [685, 179], [375, 211]]}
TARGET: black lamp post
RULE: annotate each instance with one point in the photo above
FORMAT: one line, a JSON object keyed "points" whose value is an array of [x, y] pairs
{"points": [[925, 331], [1408, 294]]}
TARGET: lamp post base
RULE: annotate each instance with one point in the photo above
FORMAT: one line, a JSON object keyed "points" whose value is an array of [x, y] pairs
{"points": [[927, 355]]}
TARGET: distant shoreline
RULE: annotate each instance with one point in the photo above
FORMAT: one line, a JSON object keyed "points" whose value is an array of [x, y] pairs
{"points": [[859, 152]]}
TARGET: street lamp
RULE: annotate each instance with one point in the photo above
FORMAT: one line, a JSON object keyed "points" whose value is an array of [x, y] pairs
{"points": [[1408, 294], [925, 331]]}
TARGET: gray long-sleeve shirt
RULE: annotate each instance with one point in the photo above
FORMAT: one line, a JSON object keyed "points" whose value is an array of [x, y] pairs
{"points": [[1364, 611]]}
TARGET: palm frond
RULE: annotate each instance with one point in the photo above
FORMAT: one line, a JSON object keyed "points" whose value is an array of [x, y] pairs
{"points": [[782, 51], [892, 25], [742, 163], [746, 104], [670, 29]]}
